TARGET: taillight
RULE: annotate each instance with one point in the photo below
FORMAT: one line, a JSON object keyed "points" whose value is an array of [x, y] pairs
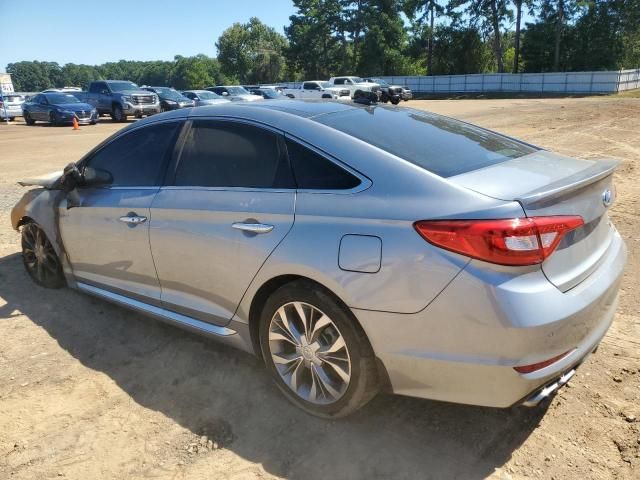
{"points": [[534, 367], [514, 241]]}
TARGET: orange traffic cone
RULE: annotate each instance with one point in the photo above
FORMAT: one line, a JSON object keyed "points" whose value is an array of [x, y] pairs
{"points": [[75, 124]]}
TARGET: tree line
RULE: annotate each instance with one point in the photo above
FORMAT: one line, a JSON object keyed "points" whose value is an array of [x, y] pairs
{"points": [[387, 37]]}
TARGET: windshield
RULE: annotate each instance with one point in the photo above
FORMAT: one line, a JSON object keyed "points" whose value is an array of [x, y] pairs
{"points": [[236, 91], [122, 86], [357, 80], [268, 93], [441, 145], [206, 95], [325, 84], [168, 93], [380, 82], [61, 98]]}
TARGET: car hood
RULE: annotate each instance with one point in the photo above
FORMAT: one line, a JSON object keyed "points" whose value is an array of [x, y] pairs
{"points": [[46, 181], [136, 92], [75, 107]]}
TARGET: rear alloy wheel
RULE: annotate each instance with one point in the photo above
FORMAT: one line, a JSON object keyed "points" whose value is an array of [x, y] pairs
{"points": [[39, 257], [319, 358], [28, 120]]}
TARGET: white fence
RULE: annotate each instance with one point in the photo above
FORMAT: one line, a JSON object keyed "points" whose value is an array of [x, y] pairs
{"points": [[554, 83]]}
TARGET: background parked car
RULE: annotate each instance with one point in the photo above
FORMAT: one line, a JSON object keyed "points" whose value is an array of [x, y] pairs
{"points": [[355, 84], [268, 93], [204, 97], [234, 93], [318, 89], [388, 93], [58, 108], [170, 99], [11, 106], [119, 98]]}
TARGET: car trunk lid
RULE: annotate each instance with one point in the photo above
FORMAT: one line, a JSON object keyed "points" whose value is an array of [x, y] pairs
{"points": [[546, 184]]}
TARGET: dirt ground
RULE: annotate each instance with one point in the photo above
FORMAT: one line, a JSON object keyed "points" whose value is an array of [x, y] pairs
{"points": [[91, 391]]}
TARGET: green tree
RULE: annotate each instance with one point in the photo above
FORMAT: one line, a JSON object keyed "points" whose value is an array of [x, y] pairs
{"points": [[252, 52], [195, 72], [314, 48], [489, 16], [385, 40], [421, 12]]}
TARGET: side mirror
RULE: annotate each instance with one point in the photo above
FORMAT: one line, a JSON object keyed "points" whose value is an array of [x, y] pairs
{"points": [[96, 177]]}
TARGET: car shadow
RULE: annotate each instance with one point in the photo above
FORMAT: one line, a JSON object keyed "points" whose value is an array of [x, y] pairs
{"points": [[207, 387]]}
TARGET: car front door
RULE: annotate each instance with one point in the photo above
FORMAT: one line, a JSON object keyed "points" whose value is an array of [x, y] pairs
{"points": [[230, 203], [41, 109], [105, 230]]}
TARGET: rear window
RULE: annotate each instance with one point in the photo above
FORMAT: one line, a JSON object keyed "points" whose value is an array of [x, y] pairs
{"points": [[441, 145]]}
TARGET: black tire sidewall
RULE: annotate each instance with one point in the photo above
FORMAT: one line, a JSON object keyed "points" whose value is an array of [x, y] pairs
{"points": [[114, 114], [363, 383]]}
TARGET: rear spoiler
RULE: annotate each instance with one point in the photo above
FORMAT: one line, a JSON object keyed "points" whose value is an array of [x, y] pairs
{"points": [[567, 186]]}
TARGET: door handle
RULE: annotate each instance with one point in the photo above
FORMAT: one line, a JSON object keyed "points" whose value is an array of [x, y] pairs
{"points": [[133, 219], [252, 227]]}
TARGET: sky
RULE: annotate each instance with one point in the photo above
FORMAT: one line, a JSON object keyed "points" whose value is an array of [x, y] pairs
{"points": [[94, 31]]}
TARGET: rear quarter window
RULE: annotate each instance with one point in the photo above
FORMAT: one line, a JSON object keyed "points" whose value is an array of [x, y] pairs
{"points": [[441, 145]]}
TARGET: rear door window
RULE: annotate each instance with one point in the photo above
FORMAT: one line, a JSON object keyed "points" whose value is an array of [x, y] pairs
{"points": [[232, 154], [312, 171], [441, 145], [138, 158]]}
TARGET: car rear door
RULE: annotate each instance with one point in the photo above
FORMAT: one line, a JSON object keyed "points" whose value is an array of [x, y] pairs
{"points": [[106, 229], [230, 203]]}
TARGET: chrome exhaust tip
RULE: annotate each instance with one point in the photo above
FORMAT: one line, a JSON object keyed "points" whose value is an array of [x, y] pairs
{"points": [[548, 390]]}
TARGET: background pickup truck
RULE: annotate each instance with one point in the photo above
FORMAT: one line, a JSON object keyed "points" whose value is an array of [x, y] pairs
{"points": [[119, 98], [355, 84], [317, 89]]}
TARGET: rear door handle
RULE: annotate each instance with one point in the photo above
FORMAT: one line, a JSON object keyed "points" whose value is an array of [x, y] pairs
{"points": [[133, 219], [253, 227]]}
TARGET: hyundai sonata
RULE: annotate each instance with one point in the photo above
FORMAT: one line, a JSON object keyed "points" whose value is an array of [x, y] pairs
{"points": [[352, 248]]}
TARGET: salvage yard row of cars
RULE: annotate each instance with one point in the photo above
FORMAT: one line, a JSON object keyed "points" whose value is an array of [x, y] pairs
{"points": [[121, 99]]}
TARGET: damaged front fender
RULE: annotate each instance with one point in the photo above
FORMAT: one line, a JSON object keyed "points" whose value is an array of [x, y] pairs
{"points": [[40, 206]]}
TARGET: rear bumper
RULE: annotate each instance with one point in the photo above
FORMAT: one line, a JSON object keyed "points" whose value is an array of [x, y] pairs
{"points": [[462, 348], [11, 112]]}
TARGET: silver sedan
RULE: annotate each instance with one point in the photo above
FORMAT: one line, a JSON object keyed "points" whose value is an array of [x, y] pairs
{"points": [[204, 97], [352, 248]]}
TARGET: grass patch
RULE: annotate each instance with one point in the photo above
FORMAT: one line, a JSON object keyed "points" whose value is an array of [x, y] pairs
{"points": [[635, 93]]}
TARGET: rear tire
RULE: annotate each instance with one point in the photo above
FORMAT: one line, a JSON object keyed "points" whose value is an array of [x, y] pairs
{"points": [[39, 257], [329, 368], [117, 115], [28, 120], [395, 101]]}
